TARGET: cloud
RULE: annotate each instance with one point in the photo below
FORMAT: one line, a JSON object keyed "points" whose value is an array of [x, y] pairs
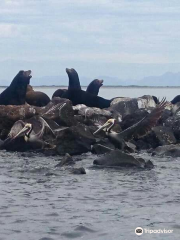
{"points": [[87, 32]]}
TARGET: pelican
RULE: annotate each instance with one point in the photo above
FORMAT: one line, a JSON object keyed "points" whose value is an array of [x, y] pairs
{"points": [[139, 129], [33, 132]]}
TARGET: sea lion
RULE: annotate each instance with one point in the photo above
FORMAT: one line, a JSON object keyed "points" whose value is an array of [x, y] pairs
{"points": [[78, 96], [15, 94], [176, 99], [36, 98], [59, 93], [94, 86], [74, 82]]}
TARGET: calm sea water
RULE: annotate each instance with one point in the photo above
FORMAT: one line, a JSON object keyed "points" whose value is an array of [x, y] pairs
{"points": [[111, 92], [39, 201]]}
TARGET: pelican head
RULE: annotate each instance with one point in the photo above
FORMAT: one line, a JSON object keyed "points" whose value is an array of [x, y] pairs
{"points": [[108, 126], [25, 131]]}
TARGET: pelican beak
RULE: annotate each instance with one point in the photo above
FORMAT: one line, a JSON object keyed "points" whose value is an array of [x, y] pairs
{"points": [[107, 124], [21, 133]]}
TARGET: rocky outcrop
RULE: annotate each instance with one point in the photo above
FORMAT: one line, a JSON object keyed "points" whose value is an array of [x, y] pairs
{"points": [[127, 106], [168, 151], [78, 171], [74, 140], [159, 136], [59, 110], [174, 123], [66, 161], [96, 116], [117, 158]]}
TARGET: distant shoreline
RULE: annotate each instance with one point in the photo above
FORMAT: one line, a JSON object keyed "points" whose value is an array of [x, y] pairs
{"points": [[109, 86]]}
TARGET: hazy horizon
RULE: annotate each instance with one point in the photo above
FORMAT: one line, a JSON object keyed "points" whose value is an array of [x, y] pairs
{"points": [[122, 39]]}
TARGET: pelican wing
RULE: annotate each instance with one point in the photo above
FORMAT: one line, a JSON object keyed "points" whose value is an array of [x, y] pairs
{"points": [[16, 128], [45, 126], [144, 126]]}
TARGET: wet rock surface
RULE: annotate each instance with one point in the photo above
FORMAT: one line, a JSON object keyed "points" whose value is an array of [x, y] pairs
{"points": [[117, 158], [66, 161], [74, 140], [168, 151]]}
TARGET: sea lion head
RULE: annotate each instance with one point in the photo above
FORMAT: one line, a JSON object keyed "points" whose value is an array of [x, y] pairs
{"points": [[74, 82], [22, 78], [98, 82], [94, 86]]}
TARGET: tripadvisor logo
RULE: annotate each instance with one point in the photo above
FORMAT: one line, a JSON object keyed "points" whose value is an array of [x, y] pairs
{"points": [[138, 231]]}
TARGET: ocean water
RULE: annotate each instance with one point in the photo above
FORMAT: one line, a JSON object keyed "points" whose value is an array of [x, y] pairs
{"points": [[111, 92], [43, 202]]}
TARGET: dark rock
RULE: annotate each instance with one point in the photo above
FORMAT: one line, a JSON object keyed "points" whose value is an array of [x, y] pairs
{"points": [[131, 119], [80, 170], [60, 110], [159, 135], [144, 144], [174, 124], [74, 140], [130, 147], [100, 149], [118, 158], [66, 161], [164, 135], [167, 150], [165, 115]]}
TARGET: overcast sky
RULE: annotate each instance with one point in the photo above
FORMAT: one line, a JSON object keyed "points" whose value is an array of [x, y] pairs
{"points": [[119, 38]]}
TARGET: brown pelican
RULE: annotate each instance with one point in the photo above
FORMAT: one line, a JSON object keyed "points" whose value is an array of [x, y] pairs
{"points": [[33, 132], [140, 129]]}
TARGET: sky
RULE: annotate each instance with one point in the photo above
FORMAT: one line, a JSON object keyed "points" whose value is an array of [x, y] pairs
{"points": [[127, 39]]}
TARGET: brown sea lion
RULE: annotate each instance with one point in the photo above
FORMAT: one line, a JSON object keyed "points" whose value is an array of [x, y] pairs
{"points": [[59, 93], [36, 98]]}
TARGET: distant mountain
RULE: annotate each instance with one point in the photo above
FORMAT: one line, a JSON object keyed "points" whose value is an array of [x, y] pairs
{"points": [[56, 80], [167, 79]]}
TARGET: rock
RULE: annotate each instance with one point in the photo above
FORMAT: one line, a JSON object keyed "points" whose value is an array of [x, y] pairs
{"points": [[100, 149], [164, 135], [78, 171], [174, 123], [74, 140], [126, 106], [146, 142], [165, 115], [117, 158], [66, 161], [131, 119], [130, 147], [61, 111], [92, 116], [159, 136], [53, 111], [168, 151], [176, 108]]}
